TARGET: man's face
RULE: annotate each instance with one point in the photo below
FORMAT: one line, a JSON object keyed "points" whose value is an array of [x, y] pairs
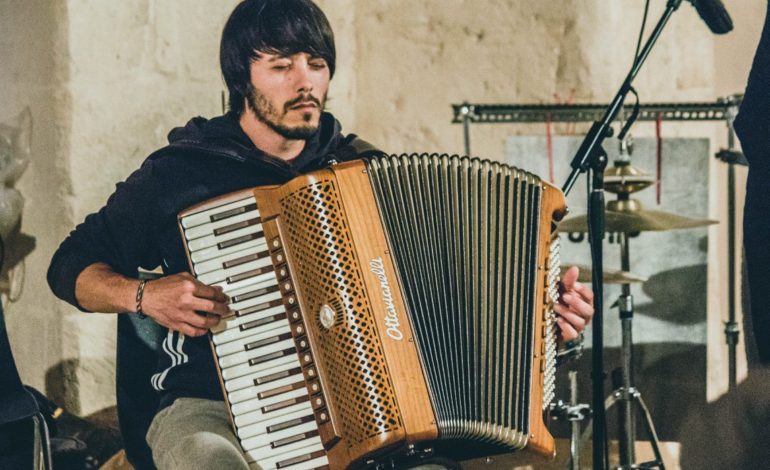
{"points": [[288, 93]]}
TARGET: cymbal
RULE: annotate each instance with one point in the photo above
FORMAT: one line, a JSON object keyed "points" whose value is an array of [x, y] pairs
{"points": [[629, 216], [625, 178], [611, 276]]}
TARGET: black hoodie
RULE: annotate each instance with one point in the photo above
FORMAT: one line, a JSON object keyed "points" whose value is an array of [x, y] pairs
{"points": [[137, 228]]}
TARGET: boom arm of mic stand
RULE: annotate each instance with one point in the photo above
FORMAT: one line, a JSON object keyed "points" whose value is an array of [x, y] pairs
{"points": [[590, 155]]}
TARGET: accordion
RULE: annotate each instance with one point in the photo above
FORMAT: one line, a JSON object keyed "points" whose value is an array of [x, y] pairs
{"points": [[384, 308]]}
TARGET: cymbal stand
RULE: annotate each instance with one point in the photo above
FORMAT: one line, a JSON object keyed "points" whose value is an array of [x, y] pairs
{"points": [[731, 156], [625, 393]]}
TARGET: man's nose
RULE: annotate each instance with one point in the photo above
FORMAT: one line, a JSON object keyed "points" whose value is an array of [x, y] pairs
{"points": [[302, 78]]}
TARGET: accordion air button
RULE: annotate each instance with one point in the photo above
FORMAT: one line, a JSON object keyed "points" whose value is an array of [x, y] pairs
{"points": [[275, 244], [291, 301], [302, 343], [314, 387], [310, 373], [318, 402], [307, 359], [286, 287], [283, 272], [295, 316], [322, 415]]}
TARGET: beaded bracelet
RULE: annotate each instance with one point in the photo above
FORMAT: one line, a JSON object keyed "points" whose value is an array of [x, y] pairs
{"points": [[139, 297]]}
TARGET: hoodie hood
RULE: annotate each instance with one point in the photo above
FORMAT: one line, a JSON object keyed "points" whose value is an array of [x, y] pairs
{"points": [[223, 137]]}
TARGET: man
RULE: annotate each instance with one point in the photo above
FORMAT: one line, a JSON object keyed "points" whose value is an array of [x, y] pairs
{"points": [[277, 58], [753, 127]]}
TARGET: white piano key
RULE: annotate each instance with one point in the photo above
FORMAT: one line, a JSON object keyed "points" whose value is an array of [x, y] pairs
{"points": [[260, 299], [248, 285], [213, 240], [260, 427], [250, 393], [268, 458], [272, 459], [213, 264], [258, 417], [243, 369], [221, 275], [239, 345], [234, 360], [257, 404], [311, 464], [247, 380], [207, 229], [203, 217], [214, 252], [228, 329], [265, 440]]}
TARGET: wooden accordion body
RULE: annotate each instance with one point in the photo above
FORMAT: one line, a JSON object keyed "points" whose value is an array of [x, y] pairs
{"points": [[383, 307]]}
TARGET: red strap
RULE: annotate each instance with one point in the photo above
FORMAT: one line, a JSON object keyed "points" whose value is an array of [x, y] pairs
{"points": [[658, 156], [549, 145]]}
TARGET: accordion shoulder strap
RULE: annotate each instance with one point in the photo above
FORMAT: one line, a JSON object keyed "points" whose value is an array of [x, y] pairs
{"points": [[356, 148]]}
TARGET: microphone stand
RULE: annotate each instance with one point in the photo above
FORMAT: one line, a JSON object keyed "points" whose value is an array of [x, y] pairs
{"points": [[591, 156]]}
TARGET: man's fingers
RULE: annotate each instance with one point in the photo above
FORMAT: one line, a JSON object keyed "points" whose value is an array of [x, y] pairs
{"points": [[209, 292], [578, 305], [568, 333], [201, 320], [577, 321], [190, 330], [570, 277], [584, 292], [210, 306]]}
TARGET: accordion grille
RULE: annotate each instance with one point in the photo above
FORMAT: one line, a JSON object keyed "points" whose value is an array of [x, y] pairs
{"points": [[327, 267]]}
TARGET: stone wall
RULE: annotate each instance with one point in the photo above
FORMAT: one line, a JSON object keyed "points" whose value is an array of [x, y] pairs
{"points": [[107, 80]]}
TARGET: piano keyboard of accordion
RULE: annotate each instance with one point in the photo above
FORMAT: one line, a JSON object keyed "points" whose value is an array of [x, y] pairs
{"points": [[384, 307]]}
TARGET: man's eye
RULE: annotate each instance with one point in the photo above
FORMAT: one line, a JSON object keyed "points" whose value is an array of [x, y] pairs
{"points": [[318, 64], [281, 67]]}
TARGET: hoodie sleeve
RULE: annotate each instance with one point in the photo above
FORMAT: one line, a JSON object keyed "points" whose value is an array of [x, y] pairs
{"points": [[752, 125], [120, 234]]}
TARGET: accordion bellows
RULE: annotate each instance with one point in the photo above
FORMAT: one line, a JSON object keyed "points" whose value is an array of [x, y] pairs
{"points": [[383, 307]]}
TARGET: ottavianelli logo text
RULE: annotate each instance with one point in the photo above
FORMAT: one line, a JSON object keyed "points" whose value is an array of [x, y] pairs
{"points": [[391, 315]]}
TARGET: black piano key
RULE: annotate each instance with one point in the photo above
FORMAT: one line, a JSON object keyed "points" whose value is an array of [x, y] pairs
{"points": [[245, 259], [258, 307], [249, 274], [233, 212], [285, 404], [290, 424], [239, 240], [300, 459], [237, 226], [254, 293], [266, 341], [262, 321], [269, 357], [292, 439], [279, 390], [277, 376]]}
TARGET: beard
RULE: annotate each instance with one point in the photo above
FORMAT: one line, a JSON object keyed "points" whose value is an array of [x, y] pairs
{"points": [[266, 112]]}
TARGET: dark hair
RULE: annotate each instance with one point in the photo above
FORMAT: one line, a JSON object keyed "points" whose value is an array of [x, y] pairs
{"points": [[283, 27]]}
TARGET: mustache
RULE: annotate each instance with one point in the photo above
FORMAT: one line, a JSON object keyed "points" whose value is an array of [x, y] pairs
{"points": [[302, 99]]}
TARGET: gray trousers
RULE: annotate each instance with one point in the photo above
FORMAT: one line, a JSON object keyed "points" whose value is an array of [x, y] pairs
{"points": [[194, 434]]}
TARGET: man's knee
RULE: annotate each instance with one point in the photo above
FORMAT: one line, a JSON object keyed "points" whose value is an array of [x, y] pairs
{"points": [[202, 450]]}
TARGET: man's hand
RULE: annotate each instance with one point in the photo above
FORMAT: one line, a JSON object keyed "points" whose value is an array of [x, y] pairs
{"points": [[175, 302], [575, 307]]}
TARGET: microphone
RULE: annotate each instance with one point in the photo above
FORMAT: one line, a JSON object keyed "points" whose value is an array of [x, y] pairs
{"points": [[715, 15]]}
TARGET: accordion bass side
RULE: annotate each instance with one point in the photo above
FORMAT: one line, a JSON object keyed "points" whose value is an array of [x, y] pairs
{"points": [[385, 307]]}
